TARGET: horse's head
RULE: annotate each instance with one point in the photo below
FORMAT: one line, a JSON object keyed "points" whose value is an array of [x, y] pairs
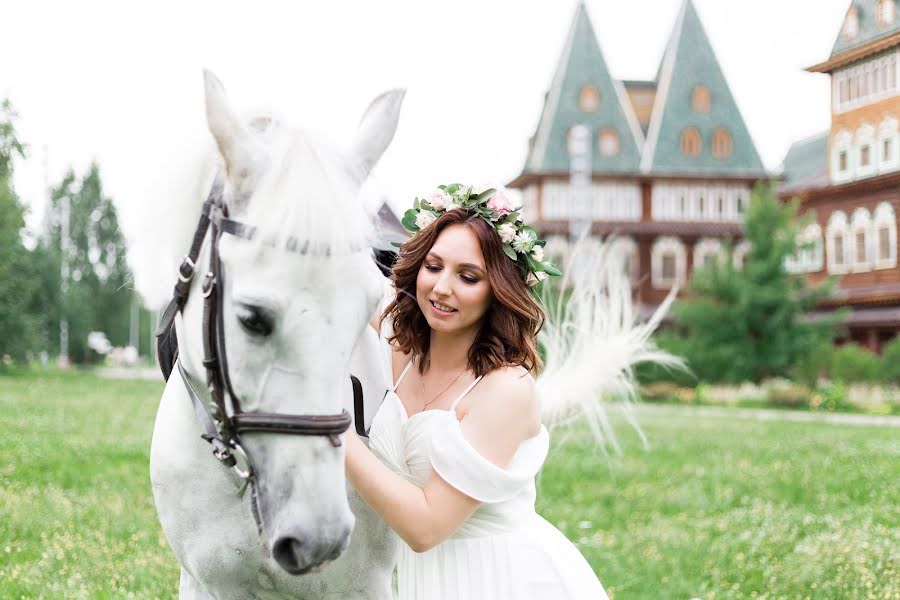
{"points": [[294, 300]]}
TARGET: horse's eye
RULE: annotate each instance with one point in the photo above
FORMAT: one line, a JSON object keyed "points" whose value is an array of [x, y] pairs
{"points": [[255, 320]]}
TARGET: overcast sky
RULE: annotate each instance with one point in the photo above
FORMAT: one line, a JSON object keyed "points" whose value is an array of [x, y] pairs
{"points": [[120, 82]]}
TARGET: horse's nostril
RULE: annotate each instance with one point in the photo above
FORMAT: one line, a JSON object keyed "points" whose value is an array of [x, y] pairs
{"points": [[288, 552]]}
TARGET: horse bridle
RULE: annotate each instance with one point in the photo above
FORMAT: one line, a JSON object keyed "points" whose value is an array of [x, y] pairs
{"points": [[221, 428]]}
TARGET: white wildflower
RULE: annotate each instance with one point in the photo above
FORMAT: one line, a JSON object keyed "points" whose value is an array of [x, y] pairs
{"points": [[524, 241], [538, 253]]}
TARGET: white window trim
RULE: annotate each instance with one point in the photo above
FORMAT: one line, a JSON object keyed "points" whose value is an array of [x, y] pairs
{"points": [[707, 247], [662, 246], [837, 223], [888, 132], [875, 68], [739, 254], [885, 217], [626, 246], [865, 136], [861, 221], [842, 142], [807, 260]]}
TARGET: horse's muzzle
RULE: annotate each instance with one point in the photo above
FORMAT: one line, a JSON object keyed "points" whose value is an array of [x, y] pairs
{"points": [[301, 554]]}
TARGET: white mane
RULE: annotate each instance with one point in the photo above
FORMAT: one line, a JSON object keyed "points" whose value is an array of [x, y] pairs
{"points": [[322, 206]]}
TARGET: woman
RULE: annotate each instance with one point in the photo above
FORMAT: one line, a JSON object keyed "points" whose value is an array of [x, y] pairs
{"points": [[458, 440]]}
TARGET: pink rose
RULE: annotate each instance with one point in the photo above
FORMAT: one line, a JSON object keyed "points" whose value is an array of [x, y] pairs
{"points": [[500, 203]]}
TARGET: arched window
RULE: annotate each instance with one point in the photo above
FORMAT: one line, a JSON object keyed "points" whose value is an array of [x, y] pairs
{"points": [[624, 251], [836, 242], [809, 257], [860, 227], [691, 143], [885, 228], [700, 101], [589, 98], [865, 142], [721, 143], [889, 157], [841, 168], [740, 253], [706, 251], [668, 262], [608, 142]]}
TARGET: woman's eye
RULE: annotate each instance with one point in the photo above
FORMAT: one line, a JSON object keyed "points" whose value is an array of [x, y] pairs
{"points": [[432, 268], [470, 279]]}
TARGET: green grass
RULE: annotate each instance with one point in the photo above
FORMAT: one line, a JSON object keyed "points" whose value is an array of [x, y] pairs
{"points": [[718, 508]]}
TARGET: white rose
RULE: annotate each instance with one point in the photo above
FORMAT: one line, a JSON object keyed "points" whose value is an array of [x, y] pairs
{"points": [[541, 275], [507, 232], [439, 199], [523, 242], [424, 219], [537, 253]]}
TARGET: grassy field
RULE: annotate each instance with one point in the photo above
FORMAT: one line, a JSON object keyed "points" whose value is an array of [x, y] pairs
{"points": [[717, 508]]}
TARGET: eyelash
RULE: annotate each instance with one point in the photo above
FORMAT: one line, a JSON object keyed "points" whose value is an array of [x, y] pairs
{"points": [[467, 279]]}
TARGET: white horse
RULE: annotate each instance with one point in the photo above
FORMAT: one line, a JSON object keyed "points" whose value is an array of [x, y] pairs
{"points": [[291, 322]]}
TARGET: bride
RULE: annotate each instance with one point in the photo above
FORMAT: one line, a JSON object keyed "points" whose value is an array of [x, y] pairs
{"points": [[458, 440]]}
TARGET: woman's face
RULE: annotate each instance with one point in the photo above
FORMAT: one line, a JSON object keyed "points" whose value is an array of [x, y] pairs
{"points": [[452, 288]]}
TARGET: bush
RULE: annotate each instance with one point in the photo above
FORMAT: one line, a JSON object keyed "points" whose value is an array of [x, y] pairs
{"points": [[832, 398], [890, 362], [785, 394], [647, 373], [809, 367], [852, 363]]}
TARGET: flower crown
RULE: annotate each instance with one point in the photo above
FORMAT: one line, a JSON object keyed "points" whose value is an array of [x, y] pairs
{"points": [[520, 241]]}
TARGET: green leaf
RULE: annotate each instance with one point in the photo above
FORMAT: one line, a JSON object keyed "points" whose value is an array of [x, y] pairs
{"points": [[511, 218], [510, 252], [550, 269], [485, 195], [409, 220]]}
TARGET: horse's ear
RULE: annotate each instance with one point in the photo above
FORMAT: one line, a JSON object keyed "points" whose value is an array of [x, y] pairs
{"points": [[376, 130], [235, 142]]}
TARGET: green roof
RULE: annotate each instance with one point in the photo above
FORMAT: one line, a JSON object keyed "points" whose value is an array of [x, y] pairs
{"points": [[690, 61], [869, 28], [806, 164], [581, 64]]}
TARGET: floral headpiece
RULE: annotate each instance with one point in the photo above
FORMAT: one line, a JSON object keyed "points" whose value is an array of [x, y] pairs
{"points": [[520, 241]]}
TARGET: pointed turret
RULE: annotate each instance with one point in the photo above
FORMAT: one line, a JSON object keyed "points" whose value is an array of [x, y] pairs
{"points": [[584, 92], [696, 127]]}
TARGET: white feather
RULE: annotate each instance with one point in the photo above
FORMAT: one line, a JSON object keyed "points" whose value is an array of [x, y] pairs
{"points": [[593, 341]]}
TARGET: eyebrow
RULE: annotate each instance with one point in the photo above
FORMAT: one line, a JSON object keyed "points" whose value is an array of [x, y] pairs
{"points": [[467, 265]]}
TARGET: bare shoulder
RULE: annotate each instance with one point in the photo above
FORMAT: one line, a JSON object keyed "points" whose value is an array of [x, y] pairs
{"points": [[507, 397]]}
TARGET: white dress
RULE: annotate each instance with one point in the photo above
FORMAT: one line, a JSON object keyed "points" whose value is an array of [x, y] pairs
{"points": [[505, 550]]}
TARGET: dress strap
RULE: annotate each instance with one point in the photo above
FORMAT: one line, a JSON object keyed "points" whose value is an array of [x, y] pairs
{"points": [[465, 391], [402, 375]]}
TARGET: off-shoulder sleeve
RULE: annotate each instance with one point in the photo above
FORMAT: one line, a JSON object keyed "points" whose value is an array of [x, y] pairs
{"points": [[459, 463]]}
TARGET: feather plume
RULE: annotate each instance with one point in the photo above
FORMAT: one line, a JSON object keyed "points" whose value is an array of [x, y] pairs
{"points": [[592, 341]]}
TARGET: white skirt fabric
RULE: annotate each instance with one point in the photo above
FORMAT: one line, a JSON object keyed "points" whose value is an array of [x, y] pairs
{"points": [[504, 550], [536, 562]]}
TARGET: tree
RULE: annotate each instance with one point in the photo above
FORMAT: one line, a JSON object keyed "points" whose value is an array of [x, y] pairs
{"points": [[18, 324], [752, 322], [96, 295]]}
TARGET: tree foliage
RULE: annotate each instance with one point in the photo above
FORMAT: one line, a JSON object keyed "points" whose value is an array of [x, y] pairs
{"points": [[95, 296], [18, 290], [753, 322]]}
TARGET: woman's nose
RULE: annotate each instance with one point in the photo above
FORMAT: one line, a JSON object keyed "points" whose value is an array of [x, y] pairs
{"points": [[442, 285]]}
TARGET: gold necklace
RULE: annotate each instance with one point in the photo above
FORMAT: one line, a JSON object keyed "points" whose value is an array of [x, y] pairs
{"points": [[439, 394]]}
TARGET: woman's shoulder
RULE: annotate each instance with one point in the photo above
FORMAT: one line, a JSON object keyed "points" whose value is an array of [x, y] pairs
{"points": [[507, 396]]}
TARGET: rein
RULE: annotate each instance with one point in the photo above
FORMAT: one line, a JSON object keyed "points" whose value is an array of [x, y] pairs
{"points": [[221, 428]]}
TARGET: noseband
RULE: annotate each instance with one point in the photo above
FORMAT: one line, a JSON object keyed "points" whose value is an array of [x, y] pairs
{"points": [[222, 428]]}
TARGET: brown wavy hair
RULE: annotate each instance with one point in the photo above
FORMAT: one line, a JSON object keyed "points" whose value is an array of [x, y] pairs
{"points": [[509, 328]]}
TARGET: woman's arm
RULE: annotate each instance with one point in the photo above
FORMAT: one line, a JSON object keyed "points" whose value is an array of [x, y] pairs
{"points": [[503, 415]]}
